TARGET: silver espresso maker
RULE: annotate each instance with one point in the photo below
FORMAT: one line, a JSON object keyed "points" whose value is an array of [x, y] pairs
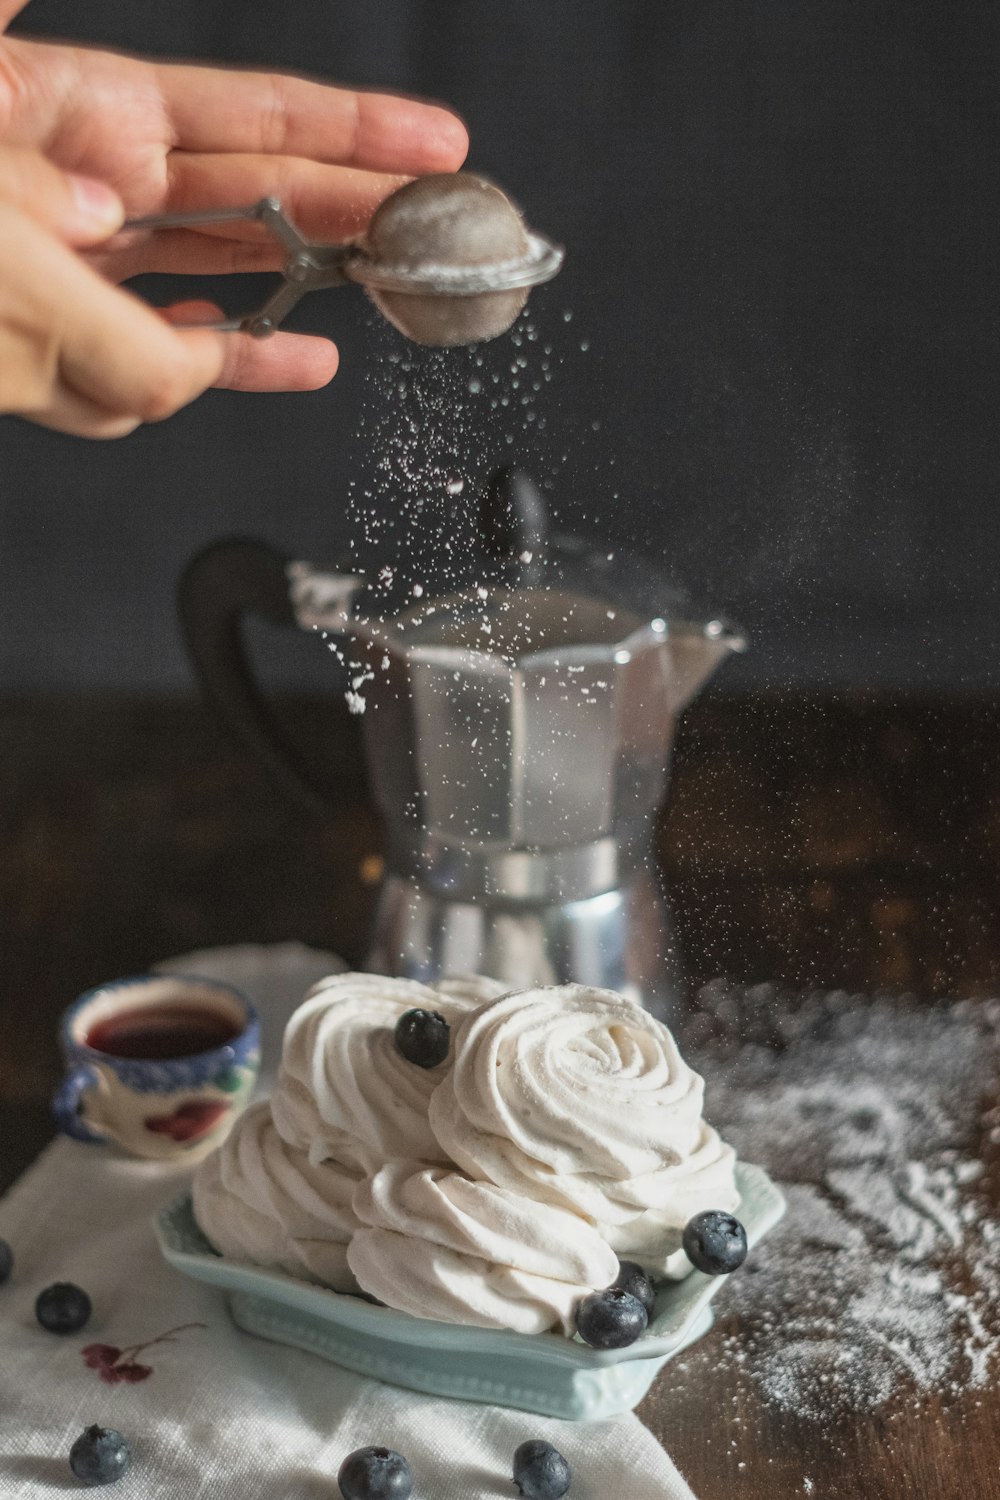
{"points": [[517, 736]]}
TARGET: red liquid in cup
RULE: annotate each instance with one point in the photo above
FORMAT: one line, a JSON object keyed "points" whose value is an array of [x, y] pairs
{"points": [[156, 1033]]}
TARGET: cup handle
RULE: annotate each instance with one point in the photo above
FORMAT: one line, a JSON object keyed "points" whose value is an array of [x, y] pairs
{"points": [[66, 1105]]}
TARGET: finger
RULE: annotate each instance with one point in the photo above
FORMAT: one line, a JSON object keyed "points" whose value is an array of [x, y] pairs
{"points": [[133, 363], [72, 326], [325, 202], [81, 210], [8, 10], [281, 362], [192, 311], [186, 253], [68, 411], [328, 204], [285, 362], [229, 109]]}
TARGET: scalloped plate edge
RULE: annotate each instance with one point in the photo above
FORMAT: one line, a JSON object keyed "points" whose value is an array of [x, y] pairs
{"points": [[679, 1304]]}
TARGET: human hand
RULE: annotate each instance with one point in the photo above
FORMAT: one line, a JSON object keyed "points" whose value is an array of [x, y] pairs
{"points": [[171, 138], [80, 355], [176, 138]]}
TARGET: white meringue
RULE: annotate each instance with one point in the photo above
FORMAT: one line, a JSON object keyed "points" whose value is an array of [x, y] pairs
{"points": [[257, 1199], [496, 1189], [471, 989], [345, 1091], [443, 1247], [578, 1097]]}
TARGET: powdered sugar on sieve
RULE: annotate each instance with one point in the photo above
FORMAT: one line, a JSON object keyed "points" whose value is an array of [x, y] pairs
{"points": [[884, 1277]]}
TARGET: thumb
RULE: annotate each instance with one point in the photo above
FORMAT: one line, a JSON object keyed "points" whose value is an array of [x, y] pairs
{"points": [[80, 210], [8, 10]]}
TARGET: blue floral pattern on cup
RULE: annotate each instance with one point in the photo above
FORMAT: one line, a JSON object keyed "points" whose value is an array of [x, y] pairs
{"points": [[160, 1108]]}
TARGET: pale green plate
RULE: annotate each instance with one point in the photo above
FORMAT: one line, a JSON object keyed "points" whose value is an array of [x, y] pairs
{"points": [[544, 1372]]}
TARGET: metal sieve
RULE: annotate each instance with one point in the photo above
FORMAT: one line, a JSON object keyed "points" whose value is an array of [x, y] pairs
{"points": [[447, 259]]}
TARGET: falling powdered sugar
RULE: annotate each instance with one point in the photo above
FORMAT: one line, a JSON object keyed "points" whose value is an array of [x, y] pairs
{"points": [[435, 426], [883, 1281]]}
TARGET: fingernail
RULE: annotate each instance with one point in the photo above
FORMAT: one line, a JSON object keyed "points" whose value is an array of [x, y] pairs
{"points": [[95, 201]]}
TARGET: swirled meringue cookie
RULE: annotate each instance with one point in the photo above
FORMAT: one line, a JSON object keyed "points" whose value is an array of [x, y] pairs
{"points": [[259, 1200], [443, 1247], [578, 1097], [471, 989], [345, 1091]]}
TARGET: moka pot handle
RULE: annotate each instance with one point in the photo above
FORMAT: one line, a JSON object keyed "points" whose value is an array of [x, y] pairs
{"points": [[222, 585]]}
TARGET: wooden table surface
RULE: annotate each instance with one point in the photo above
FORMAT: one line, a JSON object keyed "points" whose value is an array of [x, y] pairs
{"points": [[812, 841]]}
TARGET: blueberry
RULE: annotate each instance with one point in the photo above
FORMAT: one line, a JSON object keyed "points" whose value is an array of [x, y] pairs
{"points": [[100, 1455], [632, 1278], [540, 1471], [423, 1036], [375, 1474], [6, 1261], [715, 1242], [62, 1308], [611, 1319]]}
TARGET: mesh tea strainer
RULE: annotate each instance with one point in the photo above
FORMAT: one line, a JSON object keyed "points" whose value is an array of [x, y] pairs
{"points": [[447, 258]]}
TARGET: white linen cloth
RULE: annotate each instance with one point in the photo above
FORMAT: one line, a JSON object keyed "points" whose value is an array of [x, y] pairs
{"points": [[224, 1415]]}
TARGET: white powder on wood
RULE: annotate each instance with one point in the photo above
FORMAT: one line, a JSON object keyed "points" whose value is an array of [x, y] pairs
{"points": [[875, 1115]]}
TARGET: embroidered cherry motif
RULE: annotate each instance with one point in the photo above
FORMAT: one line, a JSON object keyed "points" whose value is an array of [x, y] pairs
{"points": [[115, 1365], [104, 1358]]}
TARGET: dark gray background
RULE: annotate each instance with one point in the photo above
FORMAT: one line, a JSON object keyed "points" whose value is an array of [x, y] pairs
{"points": [[781, 221]]}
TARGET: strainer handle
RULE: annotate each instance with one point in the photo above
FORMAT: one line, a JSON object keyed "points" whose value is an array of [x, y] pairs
{"points": [[307, 266], [228, 581]]}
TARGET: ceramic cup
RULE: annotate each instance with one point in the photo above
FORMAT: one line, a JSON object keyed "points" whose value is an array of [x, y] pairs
{"points": [[124, 1084]]}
